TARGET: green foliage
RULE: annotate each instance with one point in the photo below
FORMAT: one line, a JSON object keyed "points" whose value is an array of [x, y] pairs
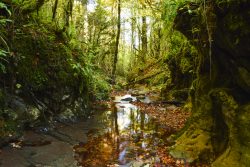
{"points": [[82, 72], [47, 54], [39, 78], [170, 10], [3, 55], [8, 126], [101, 88], [4, 49], [3, 6], [94, 81]]}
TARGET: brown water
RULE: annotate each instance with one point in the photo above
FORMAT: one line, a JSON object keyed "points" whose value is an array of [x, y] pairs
{"points": [[128, 137]]}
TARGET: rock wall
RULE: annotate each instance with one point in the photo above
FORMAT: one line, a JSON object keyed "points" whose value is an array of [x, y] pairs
{"points": [[220, 30]]}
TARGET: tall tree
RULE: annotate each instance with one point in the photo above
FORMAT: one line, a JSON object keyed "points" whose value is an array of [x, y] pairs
{"points": [[144, 40], [68, 12], [133, 32], [54, 9], [117, 40]]}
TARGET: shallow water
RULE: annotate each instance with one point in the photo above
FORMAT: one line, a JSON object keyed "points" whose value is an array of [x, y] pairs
{"points": [[119, 136], [128, 137]]}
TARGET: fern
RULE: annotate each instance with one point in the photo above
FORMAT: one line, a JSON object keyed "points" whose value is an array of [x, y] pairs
{"points": [[3, 52], [3, 6]]}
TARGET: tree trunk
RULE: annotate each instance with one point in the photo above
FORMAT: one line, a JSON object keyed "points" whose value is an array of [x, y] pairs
{"points": [[144, 39], [68, 12], [117, 41], [54, 10]]}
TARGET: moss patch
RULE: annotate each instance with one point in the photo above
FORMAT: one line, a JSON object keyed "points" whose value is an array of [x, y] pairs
{"points": [[191, 145]]}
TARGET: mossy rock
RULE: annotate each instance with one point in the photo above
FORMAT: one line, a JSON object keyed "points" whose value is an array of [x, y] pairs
{"points": [[238, 150], [222, 79], [194, 145], [50, 69], [237, 137], [243, 120], [44, 63], [244, 78]]}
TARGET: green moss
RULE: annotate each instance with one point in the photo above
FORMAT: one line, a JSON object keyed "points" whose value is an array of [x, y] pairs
{"points": [[186, 65], [222, 85], [243, 120], [7, 128], [237, 121], [192, 144], [224, 98], [9, 125], [43, 62], [235, 155], [195, 143], [244, 78]]}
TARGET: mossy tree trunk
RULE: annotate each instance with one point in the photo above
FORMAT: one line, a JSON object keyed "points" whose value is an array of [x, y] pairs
{"points": [[117, 40]]}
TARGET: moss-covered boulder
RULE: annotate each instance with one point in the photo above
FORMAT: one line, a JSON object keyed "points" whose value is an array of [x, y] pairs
{"points": [[44, 70]]}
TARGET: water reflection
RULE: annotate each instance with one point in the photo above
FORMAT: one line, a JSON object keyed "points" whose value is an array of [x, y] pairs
{"points": [[128, 135]]}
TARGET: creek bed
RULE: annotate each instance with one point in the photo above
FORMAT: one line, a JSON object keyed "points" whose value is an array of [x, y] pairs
{"points": [[119, 136], [128, 137]]}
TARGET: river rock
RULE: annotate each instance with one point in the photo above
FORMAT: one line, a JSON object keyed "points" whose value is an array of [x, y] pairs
{"points": [[67, 116], [33, 113], [128, 98], [19, 110], [16, 104]]}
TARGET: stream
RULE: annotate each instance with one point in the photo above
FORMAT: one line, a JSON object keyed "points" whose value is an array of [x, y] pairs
{"points": [[119, 136]]}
